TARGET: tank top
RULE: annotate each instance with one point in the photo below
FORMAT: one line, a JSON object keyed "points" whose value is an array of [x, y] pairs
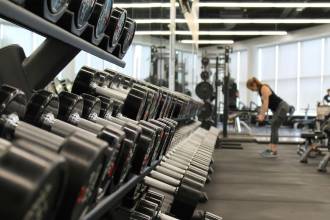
{"points": [[274, 100]]}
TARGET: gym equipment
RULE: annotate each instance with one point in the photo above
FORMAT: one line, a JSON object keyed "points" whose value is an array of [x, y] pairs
{"points": [[126, 39], [206, 111], [96, 84], [42, 111], [116, 27], [204, 90], [100, 18], [52, 10], [91, 111], [44, 176], [83, 10], [84, 160], [205, 75], [172, 185]]}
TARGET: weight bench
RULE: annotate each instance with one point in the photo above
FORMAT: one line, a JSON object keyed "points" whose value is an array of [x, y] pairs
{"points": [[310, 146]]}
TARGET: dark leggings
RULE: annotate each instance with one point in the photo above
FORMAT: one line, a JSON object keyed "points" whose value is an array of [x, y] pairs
{"points": [[278, 118]]}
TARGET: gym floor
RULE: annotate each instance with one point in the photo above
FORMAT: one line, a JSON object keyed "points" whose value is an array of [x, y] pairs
{"points": [[248, 187]]}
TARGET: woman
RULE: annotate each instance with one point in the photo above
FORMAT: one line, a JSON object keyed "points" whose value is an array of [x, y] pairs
{"points": [[279, 108]]}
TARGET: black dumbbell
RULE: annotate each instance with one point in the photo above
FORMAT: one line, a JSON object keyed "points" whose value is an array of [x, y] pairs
{"points": [[71, 107], [91, 109], [42, 111], [51, 10], [184, 198], [116, 27], [32, 181], [96, 84], [82, 12], [84, 160], [126, 39], [100, 20]]}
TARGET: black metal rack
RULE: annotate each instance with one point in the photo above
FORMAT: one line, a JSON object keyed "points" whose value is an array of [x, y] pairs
{"points": [[113, 199], [40, 68], [33, 22]]}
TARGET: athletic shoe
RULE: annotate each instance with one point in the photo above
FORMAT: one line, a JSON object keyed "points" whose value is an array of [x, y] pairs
{"points": [[268, 154]]}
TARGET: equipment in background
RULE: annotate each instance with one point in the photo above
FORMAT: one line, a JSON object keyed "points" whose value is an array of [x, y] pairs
{"points": [[159, 69], [317, 140], [205, 91]]}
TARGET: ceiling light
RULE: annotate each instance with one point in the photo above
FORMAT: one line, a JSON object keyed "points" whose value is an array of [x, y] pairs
{"points": [[145, 5], [264, 21], [229, 5], [214, 33], [263, 5], [238, 21], [154, 32], [208, 42], [240, 33]]}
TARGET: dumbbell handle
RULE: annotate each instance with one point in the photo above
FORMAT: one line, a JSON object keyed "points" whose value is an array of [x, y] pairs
{"points": [[108, 92], [162, 216], [64, 129], [165, 178], [29, 132], [159, 185]]}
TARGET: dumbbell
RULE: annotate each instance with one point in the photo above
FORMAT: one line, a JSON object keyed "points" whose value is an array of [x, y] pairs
{"points": [[32, 181], [177, 108], [70, 110], [96, 84], [84, 159], [184, 199], [99, 19], [51, 10], [150, 209], [42, 111], [82, 12], [91, 109], [118, 82], [115, 81], [115, 27], [126, 39]]}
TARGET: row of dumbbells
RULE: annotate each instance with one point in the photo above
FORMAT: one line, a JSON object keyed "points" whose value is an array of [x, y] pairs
{"points": [[133, 98], [94, 20], [80, 160], [180, 178], [87, 152]]}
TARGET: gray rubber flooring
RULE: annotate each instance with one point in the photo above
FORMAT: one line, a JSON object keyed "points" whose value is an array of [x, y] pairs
{"points": [[247, 187]]}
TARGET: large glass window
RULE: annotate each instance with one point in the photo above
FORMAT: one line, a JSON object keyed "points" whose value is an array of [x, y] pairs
{"points": [[287, 73]]}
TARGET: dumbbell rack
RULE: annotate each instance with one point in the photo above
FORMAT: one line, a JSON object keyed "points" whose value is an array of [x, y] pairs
{"points": [[42, 66], [116, 197]]}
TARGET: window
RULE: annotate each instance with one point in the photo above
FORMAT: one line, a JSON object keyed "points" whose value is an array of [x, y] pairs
{"points": [[287, 82]]}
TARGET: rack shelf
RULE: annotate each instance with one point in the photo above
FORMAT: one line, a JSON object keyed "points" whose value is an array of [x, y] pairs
{"points": [[27, 19], [113, 199]]}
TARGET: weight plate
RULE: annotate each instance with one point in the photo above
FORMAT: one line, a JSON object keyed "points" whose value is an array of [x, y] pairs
{"points": [[40, 104], [116, 26], [104, 18], [204, 90], [205, 75], [82, 10], [42, 171], [130, 27], [12, 100], [206, 111], [70, 105], [55, 6], [92, 106], [205, 61]]}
